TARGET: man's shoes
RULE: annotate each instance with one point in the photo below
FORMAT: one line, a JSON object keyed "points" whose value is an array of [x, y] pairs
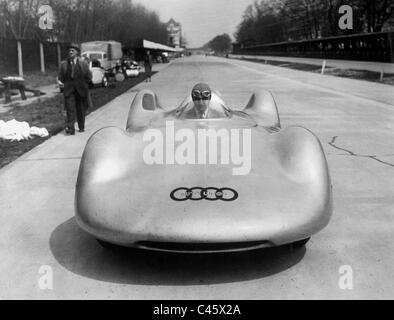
{"points": [[81, 130], [70, 131]]}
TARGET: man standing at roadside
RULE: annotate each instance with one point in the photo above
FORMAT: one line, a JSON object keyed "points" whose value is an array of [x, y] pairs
{"points": [[148, 66], [75, 75]]}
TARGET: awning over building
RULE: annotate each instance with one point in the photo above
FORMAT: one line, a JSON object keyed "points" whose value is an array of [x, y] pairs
{"points": [[157, 46]]}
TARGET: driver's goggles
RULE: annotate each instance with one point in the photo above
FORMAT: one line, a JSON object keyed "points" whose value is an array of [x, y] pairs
{"points": [[201, 95]]}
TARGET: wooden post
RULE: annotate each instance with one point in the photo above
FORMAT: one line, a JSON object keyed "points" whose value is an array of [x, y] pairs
{"points": [[323, 67], [59, 55], [20, 60], [21, 87], [42, 61], [7, 92], [382, 74]]}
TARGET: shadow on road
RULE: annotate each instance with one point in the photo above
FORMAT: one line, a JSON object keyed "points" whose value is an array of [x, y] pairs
{"points": [[81, 254]]}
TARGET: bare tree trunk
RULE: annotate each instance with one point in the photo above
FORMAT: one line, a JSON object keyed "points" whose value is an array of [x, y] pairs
{"points": [[27, 23], [92, 21], [331, 18], [21, 14], [10, 21], [86, 20], [307, 28], [76, 33]]}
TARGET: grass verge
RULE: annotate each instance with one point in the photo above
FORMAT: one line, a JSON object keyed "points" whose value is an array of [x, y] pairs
{"points": [[38, 79], [48, 113], [344, 73]]}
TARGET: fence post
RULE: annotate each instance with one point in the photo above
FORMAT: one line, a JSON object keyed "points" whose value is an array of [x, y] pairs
{"points": [[20, 61], [323, 67], [42, 60], [381, 72]]}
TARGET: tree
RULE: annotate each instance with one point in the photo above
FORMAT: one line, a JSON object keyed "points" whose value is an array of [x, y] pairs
{"points": [[376, 13], [283, 20], [19, 17], [82, 20], [261, 23], [220, 44]]}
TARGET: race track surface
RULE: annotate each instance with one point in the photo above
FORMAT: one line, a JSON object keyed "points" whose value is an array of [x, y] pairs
{"points": [[354, 121]]}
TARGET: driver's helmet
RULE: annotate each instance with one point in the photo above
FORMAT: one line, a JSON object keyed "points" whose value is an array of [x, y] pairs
{"points": [[201, 91]]}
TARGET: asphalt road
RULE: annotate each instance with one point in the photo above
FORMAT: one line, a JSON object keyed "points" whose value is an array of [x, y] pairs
{"points": [[355, 123]]}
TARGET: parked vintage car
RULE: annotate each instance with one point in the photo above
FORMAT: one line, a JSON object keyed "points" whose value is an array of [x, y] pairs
{"points": [[131, 68], [107, 52]]}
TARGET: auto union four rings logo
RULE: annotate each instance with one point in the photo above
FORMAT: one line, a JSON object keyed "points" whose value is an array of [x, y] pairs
{"points": [[210, 193]]}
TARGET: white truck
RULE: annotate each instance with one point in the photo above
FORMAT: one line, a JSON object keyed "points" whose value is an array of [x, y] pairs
{"points": [[106, 52]]}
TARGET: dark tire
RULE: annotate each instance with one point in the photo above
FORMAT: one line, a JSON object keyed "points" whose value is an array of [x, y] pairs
{"points": [[300, 243]]}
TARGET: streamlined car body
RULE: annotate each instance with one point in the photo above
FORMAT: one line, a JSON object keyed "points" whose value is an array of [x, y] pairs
{"points": [[232, 181]]}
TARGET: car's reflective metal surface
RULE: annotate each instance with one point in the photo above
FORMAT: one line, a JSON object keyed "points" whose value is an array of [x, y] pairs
{"points": [[286, 196]]}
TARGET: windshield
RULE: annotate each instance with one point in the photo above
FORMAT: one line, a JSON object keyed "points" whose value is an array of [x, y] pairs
{"points": [[217, 110], [93, 56]]}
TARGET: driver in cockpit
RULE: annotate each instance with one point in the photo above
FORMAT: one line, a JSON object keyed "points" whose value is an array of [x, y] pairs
{"points": [[201, 97]]}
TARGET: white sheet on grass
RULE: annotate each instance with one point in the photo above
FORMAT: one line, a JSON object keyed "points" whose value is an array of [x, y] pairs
{"points": [[19, 130]]}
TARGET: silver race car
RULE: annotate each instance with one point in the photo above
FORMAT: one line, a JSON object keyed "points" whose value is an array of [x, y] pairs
{"points": [[232, 181]]}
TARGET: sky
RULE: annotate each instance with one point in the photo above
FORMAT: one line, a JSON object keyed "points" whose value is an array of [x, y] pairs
{"points": [[201, 20]]}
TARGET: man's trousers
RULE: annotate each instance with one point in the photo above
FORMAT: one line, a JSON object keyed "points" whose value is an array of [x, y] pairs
{"points": [[76, 107]]}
